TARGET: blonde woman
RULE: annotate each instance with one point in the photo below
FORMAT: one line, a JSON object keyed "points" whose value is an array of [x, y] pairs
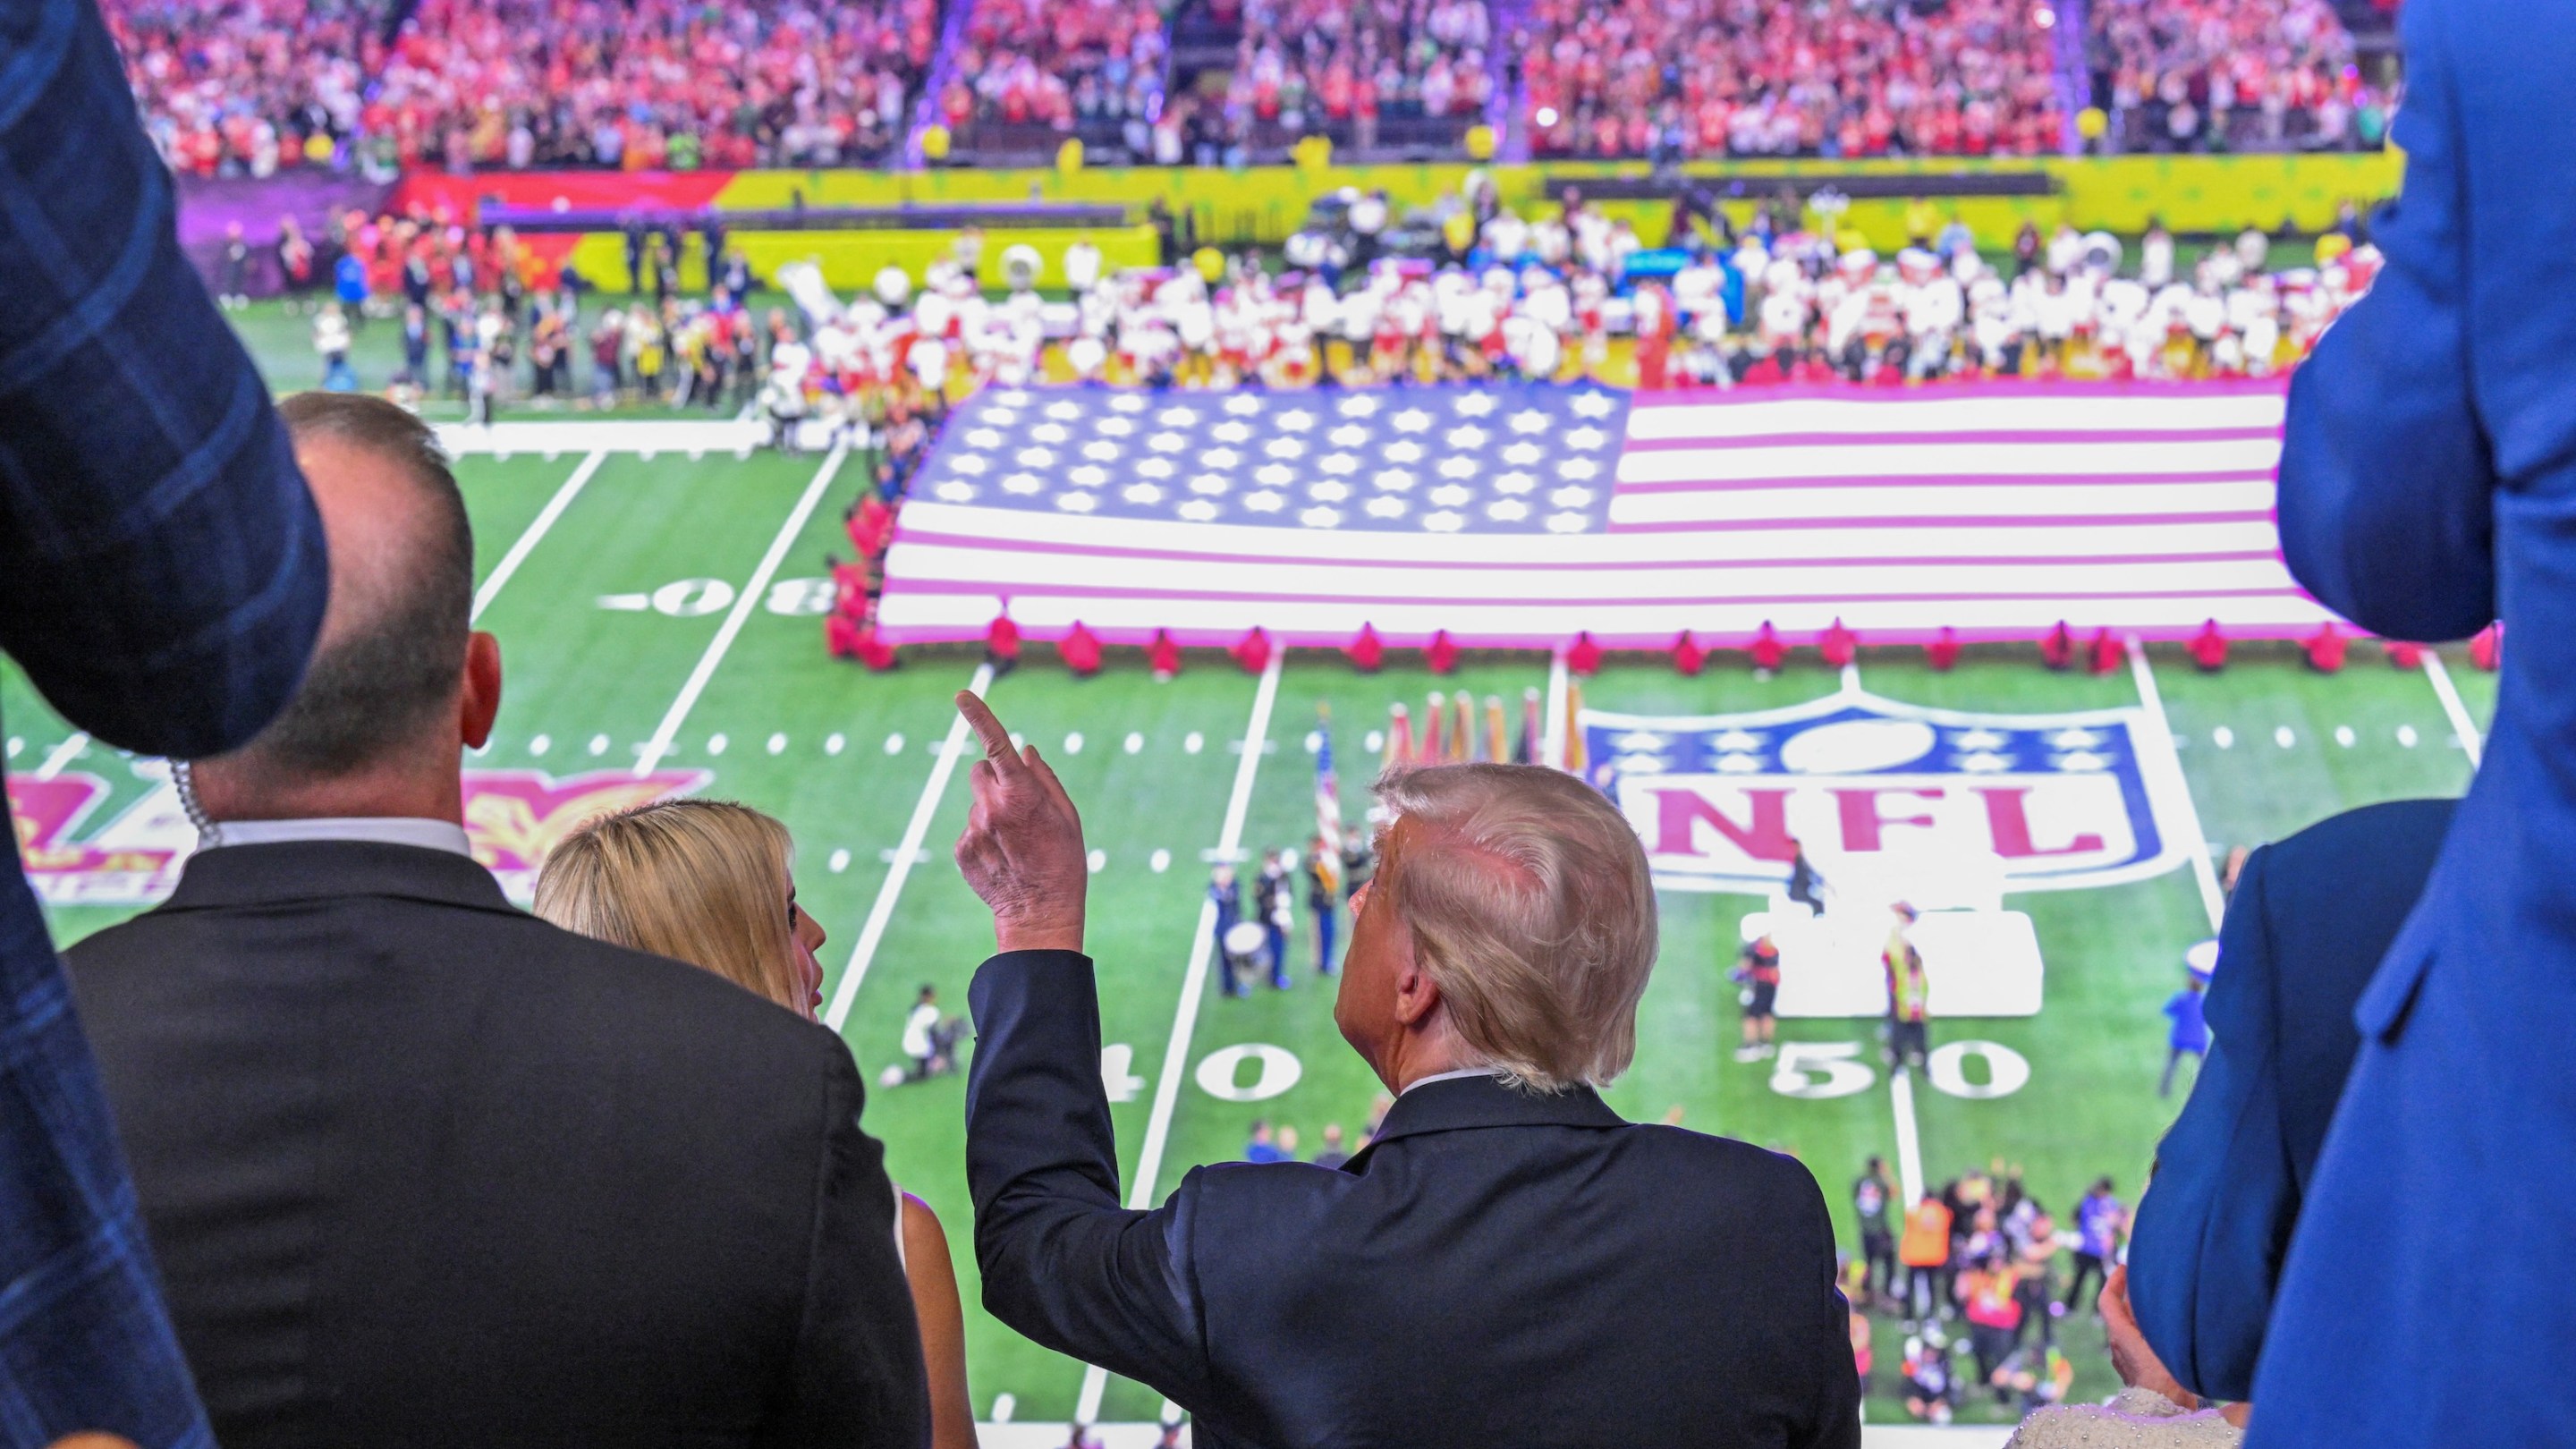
{"points": [[708, 882]]}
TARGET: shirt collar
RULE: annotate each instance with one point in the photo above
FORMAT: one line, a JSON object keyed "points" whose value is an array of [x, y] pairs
{"points": [[444, 835], [1449, 1077]]}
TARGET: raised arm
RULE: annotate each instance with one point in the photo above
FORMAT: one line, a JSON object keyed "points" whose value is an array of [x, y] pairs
{"points": [[2386, 471], [161, 566], [1061, 1261]]}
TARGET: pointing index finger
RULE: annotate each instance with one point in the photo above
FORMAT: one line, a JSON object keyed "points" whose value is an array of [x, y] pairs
{"points": [[979, 718]]}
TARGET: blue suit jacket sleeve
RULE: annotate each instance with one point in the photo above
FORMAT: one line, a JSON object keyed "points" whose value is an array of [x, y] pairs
{"points": [[2386, 469], [1062, 1262], [161, 564], [2207, 1243]]}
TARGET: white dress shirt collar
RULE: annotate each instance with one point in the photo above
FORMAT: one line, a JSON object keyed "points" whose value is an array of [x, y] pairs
{"points": [[1449, 1076], [444, 835]]}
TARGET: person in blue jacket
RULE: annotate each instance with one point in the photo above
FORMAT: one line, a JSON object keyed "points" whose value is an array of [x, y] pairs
{"points": [[2189, 1034], [2428, 486], [2308, 921]]}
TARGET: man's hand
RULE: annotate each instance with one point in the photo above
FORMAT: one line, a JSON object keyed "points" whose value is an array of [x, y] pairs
{"points": [[2131, 1356], [1022, 850]]}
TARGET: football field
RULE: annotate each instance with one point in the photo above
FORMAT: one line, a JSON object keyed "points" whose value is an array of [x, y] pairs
{"points": [[659, 622]]}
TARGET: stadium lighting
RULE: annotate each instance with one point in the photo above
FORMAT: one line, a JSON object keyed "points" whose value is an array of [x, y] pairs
{"points": [[2043, 17], [1546, 117]]}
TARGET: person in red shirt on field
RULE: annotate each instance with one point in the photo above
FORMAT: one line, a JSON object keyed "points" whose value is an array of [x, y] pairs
{"points": [[2209, 649], [1002, 645]]}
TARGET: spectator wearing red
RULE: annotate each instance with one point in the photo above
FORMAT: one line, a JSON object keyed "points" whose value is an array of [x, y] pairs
{"points": [[1163, 657], [1942, 654]]}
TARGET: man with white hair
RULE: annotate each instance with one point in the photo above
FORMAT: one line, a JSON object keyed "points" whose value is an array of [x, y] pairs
{"points": [[1507, 1262]]}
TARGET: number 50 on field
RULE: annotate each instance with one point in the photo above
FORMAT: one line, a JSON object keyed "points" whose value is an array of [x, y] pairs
{"points": [[1815, 1070]]}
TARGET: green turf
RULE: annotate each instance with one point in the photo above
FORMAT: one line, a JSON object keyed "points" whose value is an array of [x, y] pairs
{"points": [[576, 669]]}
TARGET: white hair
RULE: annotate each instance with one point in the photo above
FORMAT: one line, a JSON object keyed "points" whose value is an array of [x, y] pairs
{"points": [[1531, 907]]}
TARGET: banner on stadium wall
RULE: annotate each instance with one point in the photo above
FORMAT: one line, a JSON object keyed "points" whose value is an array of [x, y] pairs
{"points": [[513, 817], [1930, 802]]}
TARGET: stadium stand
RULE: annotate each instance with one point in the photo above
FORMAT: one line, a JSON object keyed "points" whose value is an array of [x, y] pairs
{"points": [[2238, 75], [1733, 77], [251, 86], [1036, 72]]}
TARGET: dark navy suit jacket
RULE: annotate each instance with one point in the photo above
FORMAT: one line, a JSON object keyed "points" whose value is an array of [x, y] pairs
{"points": [[1497, 1268], [2308, 924], [2428, 484]]}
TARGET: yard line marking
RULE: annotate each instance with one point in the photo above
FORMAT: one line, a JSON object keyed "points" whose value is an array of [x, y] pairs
{"points": [[2467, 729], [743, 604], [1551, 749], [899, 869], [535, 531], [1185, 1016], [1909, 1142], [2177, 791], [63, 754], [1851, 677]]}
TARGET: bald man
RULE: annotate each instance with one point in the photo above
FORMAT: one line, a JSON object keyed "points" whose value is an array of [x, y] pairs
{"points": [[422, 1169]]}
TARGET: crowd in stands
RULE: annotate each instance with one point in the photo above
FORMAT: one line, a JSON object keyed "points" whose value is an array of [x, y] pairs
{"points": [[1746, 78], [246, 87], [1347, 70], [1057, 63], [2221, 75], [250, 86]]}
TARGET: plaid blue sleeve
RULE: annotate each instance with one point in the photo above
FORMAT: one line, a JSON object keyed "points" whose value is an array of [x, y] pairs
{"points": [[162, 580], [161, 564]]}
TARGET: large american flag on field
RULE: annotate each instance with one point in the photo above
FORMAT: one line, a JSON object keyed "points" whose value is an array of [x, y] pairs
{"points": [[1520, 514]]}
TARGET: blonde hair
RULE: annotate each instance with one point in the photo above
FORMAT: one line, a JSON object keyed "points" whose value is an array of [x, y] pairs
{"points": [[701, 881], [1531, 907]]}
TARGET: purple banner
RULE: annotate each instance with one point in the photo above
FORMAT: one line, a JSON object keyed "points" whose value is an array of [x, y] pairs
{"points": [[210, 206]]}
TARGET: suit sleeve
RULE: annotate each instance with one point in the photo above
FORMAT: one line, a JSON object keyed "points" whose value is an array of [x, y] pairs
{"points": [[857, 1378], [1062, 1262], [162, 574], [2386, 471], [1835, 1420], [2207, 1243]]}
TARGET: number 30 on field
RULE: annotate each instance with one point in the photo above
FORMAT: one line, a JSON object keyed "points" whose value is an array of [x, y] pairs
{"points": [[1818, 1069]]}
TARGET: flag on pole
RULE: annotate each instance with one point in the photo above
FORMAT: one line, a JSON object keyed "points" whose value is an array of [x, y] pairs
{"points": [[1531, 730], [1462, 729], [1435, 730], [1496, 747], [1399, 736]]}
